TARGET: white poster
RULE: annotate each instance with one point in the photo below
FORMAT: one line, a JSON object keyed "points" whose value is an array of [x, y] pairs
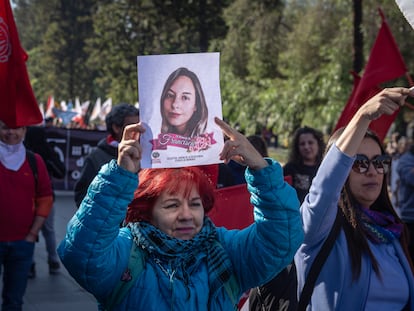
{"points": [[407, 8], [179, 96]]}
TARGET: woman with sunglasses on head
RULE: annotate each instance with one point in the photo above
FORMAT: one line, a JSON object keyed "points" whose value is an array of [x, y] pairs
{"points": [[368, 267]]}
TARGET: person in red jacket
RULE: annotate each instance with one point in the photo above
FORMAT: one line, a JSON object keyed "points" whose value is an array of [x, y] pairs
{"points": [[26, 201]]}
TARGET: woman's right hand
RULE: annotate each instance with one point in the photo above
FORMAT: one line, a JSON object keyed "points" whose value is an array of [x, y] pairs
{"points": [[129, 149], [386, 102]]}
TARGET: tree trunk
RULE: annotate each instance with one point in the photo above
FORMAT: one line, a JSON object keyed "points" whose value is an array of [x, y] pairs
{"points": [[358, 37]]}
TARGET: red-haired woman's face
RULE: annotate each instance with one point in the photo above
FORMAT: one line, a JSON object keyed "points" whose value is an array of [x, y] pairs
{"points": [[179, 216]]}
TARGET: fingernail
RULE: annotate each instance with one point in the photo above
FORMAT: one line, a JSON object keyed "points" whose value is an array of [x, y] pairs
{"points": [[411, 89]]}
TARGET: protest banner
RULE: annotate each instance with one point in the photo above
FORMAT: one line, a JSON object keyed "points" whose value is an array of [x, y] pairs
{"points": [[73, 146]]}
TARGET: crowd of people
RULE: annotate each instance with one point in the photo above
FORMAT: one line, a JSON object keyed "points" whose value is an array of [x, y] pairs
{"points": [[140, 240]]}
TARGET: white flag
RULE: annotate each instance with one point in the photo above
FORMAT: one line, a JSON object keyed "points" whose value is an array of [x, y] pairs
{"points": [[78, 107], [407, 8], [96, 109], [49, 106], [105, 109], [63, 105], [42, 110], [84, 107]]}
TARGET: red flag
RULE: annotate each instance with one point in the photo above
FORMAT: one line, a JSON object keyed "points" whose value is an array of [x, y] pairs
{"points": [[232, 208], [18, 106], [385, 63]]}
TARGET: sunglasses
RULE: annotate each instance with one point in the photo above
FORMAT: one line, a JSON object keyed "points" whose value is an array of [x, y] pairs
{"points": [[381, 163]]}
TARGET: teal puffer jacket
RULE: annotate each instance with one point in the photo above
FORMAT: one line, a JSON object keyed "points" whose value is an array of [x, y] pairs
{"points": [[96, 251]]}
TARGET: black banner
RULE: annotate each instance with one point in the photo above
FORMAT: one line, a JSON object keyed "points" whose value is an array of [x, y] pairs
{"points": [[73, 146]]}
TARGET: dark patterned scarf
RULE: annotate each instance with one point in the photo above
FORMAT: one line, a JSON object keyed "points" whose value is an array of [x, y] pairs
{"points": [[380, 227], [183, 255]]}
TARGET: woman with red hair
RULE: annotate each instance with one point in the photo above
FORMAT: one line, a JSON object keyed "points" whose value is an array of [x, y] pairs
{"points": [[156, 181], [169, 255]]}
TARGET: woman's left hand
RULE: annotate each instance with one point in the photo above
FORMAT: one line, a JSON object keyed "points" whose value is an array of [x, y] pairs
{"points": [[239, 149]]}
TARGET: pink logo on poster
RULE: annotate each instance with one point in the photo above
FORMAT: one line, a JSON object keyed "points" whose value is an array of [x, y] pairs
{"points": [[199, 143]]}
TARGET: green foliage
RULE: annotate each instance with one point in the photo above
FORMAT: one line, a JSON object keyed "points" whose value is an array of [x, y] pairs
{"points": [[284, 64], [253, 40], [312, 80], [317, 68], [56, 46]]}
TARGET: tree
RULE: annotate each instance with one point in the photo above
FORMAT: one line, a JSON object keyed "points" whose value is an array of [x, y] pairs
{"points": [[125, 29], [56, 46], [284, 64], [358, 37], [313, 80]]}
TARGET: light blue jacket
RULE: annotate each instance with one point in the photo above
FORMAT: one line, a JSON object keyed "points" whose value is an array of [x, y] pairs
{"points": [[405, 171], [96, 252], [334, 288]]}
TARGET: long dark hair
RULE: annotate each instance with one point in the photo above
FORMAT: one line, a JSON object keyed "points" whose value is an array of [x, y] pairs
{"points": [[198, 122], [357, 241], [294, 153]]}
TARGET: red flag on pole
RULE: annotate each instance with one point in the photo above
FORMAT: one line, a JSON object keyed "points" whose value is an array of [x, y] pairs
{"points": [[18, 106], [385, 63]]}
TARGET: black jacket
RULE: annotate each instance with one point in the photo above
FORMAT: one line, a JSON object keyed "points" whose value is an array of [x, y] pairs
{"points": [[104, 153]]}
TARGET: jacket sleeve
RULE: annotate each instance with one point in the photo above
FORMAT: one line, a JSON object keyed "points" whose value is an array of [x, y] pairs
{"points": [[320, 206], [263, 249], [95, 251]]}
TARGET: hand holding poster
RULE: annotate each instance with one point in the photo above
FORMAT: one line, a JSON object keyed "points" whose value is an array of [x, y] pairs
{"points": [[179, 96]]}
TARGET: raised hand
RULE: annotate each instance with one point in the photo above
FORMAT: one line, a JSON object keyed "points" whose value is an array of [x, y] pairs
{"points": [[238, 148], [129, 149], [386, 102]]}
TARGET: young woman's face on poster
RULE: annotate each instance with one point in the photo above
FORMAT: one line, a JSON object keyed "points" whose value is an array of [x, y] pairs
{"points": [[180, 103]]}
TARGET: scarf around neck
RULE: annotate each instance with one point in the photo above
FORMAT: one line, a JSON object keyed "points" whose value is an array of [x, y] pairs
{"points": [[183, 255], [380, 227], [111, 141], [12, 156]]}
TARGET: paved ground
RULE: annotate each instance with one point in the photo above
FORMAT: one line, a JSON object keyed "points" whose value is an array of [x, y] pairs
{"points": [[56, 292]]}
